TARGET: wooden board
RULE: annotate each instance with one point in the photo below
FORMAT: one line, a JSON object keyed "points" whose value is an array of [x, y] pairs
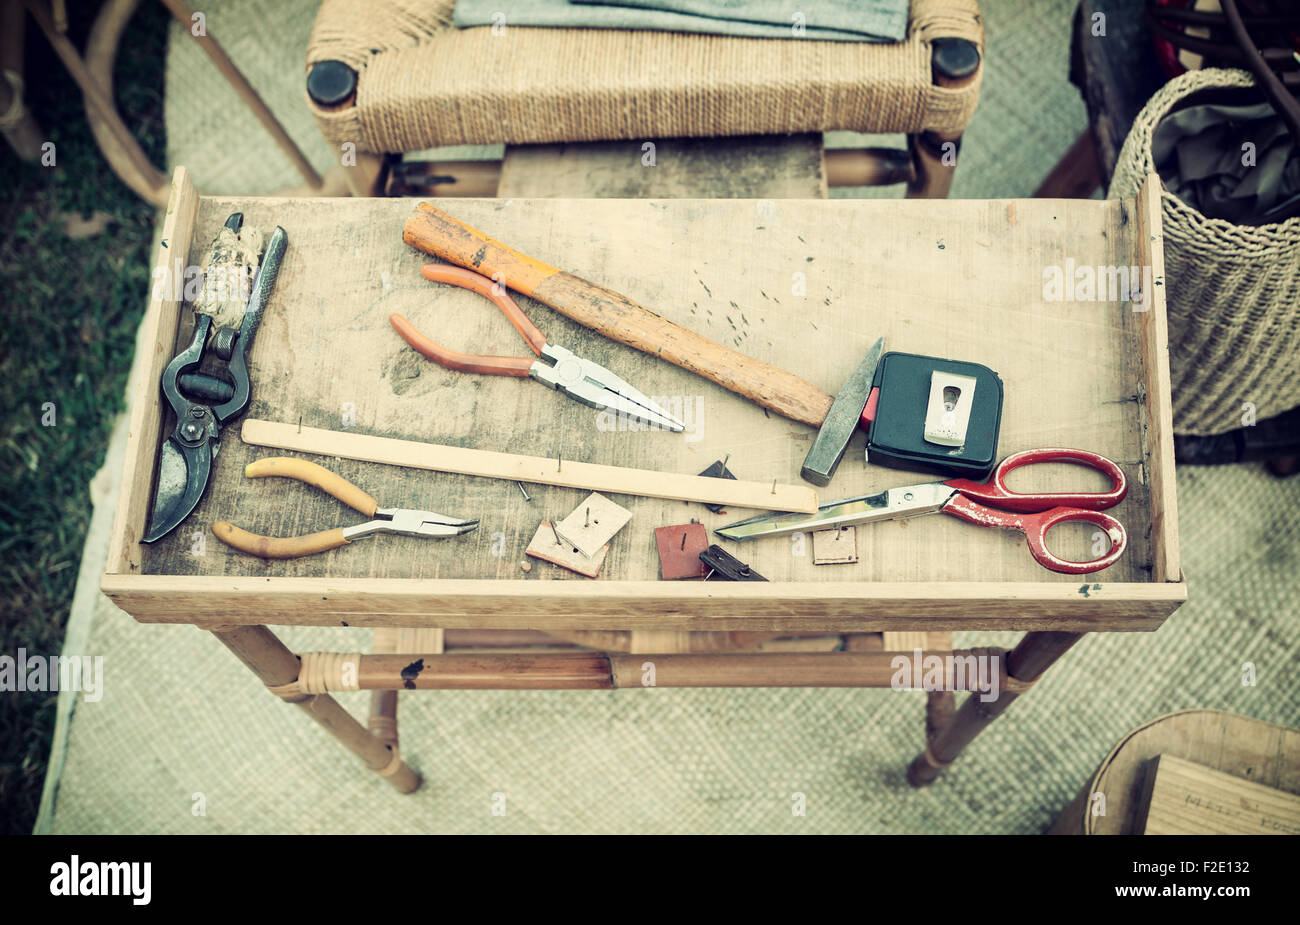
{"points": [[807, 285], [1157, 410], [145, 422], [534, 470], [848, 606], [1184, 798], [752, 166], [1245, 748]]}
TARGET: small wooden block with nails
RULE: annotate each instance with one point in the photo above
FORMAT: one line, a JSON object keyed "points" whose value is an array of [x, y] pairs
{"points": [[835, 547], [679, 548], [593, 523], [547, 546]]}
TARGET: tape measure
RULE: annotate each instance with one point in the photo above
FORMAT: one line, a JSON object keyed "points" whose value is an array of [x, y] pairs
{"points": [[928, 414]]}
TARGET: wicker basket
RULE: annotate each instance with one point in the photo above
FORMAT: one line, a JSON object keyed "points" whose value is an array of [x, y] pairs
{"points": [[1234, 323]]}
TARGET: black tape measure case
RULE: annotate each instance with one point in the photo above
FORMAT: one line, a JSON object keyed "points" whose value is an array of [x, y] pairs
{"points": [[934, 415]]}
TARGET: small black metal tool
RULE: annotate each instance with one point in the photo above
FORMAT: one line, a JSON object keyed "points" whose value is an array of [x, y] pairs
{"points": [[718, 470], [728, 566], [203, 402]]}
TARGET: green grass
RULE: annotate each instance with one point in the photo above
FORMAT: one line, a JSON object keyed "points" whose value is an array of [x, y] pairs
{"points": [[71, 309]]}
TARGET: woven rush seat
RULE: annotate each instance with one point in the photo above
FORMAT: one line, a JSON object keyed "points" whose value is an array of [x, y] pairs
{"points": [[421, 83]]}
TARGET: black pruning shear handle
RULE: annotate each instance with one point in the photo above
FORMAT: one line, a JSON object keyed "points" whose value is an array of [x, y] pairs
{"points": [[204, 402]]}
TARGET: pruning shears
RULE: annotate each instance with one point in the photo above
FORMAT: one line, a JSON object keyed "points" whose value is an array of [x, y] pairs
{"points": [[202, 402]]}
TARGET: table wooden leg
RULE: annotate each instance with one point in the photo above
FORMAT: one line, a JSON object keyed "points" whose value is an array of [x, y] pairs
{"points": [[1032, 656], [939, 709], [276, 667]]}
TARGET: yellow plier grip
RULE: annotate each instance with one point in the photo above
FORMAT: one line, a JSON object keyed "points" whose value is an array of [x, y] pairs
{"points": [[287, 467], [278, 547], [273, 547]]}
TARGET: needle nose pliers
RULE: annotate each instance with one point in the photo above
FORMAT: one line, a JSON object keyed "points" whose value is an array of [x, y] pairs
{"points": [[561, 369], [387, 520]]}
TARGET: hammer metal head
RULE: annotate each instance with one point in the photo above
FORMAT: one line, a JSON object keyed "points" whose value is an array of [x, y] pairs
{"points": [[836, 431]]}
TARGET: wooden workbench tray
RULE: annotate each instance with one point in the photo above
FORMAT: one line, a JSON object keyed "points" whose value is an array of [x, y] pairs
{"points": [[805, 284]]}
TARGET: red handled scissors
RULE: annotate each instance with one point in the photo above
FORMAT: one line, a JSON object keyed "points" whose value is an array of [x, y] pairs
{"points": [[988, 504]]}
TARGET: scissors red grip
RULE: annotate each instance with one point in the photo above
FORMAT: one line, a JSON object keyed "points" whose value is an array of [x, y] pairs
{"points": [[996, 492], [1035, 513]]}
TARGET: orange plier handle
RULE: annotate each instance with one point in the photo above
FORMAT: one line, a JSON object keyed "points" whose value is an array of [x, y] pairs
{"points": [[465, 362]]}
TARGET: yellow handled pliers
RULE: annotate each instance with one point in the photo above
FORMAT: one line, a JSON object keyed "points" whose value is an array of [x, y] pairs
{"points": [[387, 520]]}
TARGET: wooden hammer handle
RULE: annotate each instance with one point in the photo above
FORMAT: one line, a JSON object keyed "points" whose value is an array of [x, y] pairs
{"points": [[615, 316]]}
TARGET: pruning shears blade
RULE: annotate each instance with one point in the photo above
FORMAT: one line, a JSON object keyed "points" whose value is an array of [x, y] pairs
{"points": [[182, 477]]}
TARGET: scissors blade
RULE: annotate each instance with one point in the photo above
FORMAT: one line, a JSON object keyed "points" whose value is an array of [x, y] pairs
{"points": [[891, 504]]}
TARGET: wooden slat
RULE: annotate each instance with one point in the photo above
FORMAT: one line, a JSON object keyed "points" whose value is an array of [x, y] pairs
{"points": [[157, 337], [794, 669], [1238, 745], [383, 640], [396, 640], [674, 605], [1158, 420], [905, 642], [660, 641], [534, 470], [864, 642], [594, 670], [1184, 798], [746, 167], [825, 643]]}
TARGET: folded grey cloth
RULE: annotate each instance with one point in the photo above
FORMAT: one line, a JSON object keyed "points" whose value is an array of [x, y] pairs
{"points": [[875, 19], [1201, 155], [563, 14]]}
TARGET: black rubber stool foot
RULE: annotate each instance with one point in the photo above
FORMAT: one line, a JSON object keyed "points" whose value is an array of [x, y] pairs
{"points": [[331, 83]]}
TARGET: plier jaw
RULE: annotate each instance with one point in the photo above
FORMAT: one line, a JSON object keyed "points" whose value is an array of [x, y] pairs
{"points": [[597, 387], [405, 522]]}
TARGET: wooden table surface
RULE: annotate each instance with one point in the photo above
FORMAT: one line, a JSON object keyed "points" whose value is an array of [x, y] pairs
{"points": [[807, 285]]}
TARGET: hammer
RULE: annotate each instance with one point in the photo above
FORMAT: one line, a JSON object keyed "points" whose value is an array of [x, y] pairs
{"points": [[621, 319]]}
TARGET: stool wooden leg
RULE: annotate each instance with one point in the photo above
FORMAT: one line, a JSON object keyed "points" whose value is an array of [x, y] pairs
{"points": [[276, 667], [1032, 656], [935, 158]]}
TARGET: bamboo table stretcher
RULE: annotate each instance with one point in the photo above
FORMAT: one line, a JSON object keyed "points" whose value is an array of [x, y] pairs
{"points": [[806, 285]]}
